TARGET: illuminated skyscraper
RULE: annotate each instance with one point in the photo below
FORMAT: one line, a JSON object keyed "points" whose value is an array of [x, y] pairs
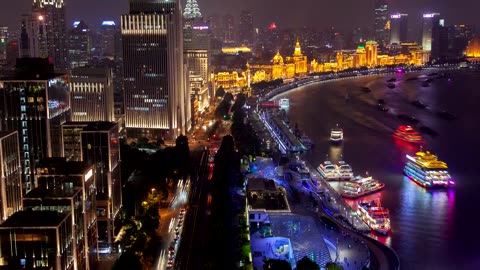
{"points": [[33, 36], [56, 31], [431, 22], [91, 94], [35, 102], [381, 24], [3, 45], [398, 28], [154, 76], [371, 52], [11, 175], [79, 45], [245, 28], [109, 35]]}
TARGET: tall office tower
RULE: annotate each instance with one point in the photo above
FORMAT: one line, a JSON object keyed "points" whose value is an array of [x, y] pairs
{"points": [[3, 45], [100, 147], [91, 94], [68, 186], [458, 37], [108, 35], [371, 51], [154, 77], [381, 24], [33, 36], [431, 23], [228, 29], [79, 45], [11, 175], [35, 102], [54, 15], [245, 28], [216, 26], [398, 28]]}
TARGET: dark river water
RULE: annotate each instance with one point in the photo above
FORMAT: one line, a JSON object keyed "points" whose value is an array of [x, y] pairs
{"points": [[430, 229]]}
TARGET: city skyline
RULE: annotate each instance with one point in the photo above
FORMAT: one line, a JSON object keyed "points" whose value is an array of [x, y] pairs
{"points": [[458, 12]]}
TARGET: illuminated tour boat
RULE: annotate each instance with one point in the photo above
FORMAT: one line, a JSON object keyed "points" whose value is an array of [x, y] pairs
{"points": [[426, 170], [376, 216], [284, 103], [360, 187], [328, 171], [408, 134], [336, 135], [344, 170]]}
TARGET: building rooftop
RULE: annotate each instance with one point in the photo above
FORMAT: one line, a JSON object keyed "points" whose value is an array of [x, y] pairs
{"points": [[261, 184], [5, 133], [42, 192], [100, 126], [60, 166], [30, 219], [90, 72], [32, 69]]}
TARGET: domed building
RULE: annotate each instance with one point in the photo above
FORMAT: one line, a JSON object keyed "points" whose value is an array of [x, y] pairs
{"points": [[473, 49]]}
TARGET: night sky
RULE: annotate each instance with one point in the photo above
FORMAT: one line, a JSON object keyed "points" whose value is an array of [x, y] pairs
{"points": [[343, 14]]}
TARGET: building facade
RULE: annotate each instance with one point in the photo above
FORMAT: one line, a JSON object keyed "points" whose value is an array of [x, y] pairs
{"points": [[33, 36], [4, 38], [92, 94], [10, 175], [398, 28], [156, 99], [36, 104], [79, 45], [431, 22], [245, 28], [381, 22], [371, 52], [53, 12]]}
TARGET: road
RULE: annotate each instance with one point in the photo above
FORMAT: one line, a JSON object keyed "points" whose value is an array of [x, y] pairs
{"points": [[192, 251]]}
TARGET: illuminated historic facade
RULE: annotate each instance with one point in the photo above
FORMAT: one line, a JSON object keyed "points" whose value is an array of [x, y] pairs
{"points": [[229, 80], [371, 48]]}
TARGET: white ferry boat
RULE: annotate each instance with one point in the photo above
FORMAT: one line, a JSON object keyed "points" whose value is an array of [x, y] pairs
{"points": [[376, 217], [360, 187], [336, 135], [344, 170], [284, 103], [328, 171]]}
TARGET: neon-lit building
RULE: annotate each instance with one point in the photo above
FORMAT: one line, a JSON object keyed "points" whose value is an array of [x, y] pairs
{"points": [[11, 175], [36, 104], [431, 21], [398, 28], [371, 51], [155, 93], [53, 12], [92, 94]]}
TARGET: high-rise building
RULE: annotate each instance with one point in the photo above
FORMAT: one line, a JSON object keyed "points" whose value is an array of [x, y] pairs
{"points": [[216, 26], [92, 94], [245, 28], [79, 45], [11, 174], [33, 36], [53, 12], [43, 240], [381, 22], [398, 28], [229, 29], [3, 45], [36, 102], [100, 146], [458, 37], [371, 52], [109, 33], [431, 23], [69, 187], [155, 94]]}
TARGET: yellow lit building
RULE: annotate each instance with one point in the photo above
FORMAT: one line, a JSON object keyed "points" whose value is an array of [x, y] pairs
{"points": [[360, 57], [235, 50], [371, 48], [229, 80], [473, 49], [299, 60]]}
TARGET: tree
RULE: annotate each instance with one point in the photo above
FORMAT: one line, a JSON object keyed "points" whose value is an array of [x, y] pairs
{"points": [[333, 266], [273, 264], [306, 264], [128, 260], [220, 92]]}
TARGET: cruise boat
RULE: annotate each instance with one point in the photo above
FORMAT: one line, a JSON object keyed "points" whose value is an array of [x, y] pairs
{"points": [[426, 170], [361, 186], [336, 135], [344, 170], [408, 134], [376, 216], [328, 171]]}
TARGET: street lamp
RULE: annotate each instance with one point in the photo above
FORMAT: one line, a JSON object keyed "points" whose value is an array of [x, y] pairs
{"points": [[153, 191]]}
